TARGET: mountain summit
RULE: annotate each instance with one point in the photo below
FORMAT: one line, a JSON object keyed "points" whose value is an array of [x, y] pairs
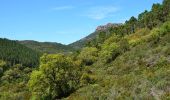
{"points": [[102, 28]]}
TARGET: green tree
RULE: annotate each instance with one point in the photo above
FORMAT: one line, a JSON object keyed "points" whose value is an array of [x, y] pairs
{"points": [[166, 9], [131, 25], [101, 37], [158, 12], [2, 67], [141, 17], [56, 77]]}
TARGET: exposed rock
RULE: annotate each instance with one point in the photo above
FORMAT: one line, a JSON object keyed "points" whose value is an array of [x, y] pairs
{"points": [[105, 27], [80, 43]]}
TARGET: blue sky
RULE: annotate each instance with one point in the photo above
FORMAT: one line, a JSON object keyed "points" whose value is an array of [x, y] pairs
{"points": [[63, 21]]}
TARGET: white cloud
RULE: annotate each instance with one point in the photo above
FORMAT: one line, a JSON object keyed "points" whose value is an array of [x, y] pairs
{"points": [[63, 8], [99, 13]]}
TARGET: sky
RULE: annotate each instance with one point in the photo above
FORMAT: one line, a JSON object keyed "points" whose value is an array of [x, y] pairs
{"points": [[63, 21]]}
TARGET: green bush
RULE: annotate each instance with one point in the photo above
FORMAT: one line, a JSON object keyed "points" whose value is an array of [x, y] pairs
{"points": [[87, 79], [124, 45], [109, 52], [167, 51], [88, 55], [166, 28], [157, 33]]}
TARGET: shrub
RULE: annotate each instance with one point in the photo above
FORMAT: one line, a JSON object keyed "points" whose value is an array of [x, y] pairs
{"points": [[166, 28], [167, 51], [124, 45], [112, 39], [88, 55], [109, 52], [11, 75], [156, 33], [87, 79], [136, 42]]}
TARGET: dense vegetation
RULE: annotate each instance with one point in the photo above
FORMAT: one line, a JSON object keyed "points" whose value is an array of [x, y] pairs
{"points": [[138, 69], [132, 62], [47, 47], [16, 64], [15, 53]]}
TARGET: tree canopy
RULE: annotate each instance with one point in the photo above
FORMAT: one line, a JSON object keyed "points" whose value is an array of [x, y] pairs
{"points": [[56, 77]]}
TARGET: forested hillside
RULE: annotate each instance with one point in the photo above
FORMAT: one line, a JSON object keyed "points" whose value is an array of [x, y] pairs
{"points": [[47, 47], [136, 66], [16, 64], [132, 62], [15, 53]]}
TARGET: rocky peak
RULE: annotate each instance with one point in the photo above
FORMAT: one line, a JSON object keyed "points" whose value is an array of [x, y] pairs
{"points": [[105, 27]]}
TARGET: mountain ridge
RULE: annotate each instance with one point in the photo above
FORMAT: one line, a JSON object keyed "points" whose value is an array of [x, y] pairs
{"points": [[101, 28], [55, 47], [47, 47]]}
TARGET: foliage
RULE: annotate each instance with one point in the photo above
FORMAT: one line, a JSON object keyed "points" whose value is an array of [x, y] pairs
{"points": [[88, 55], [15, 53], [2, 67], [109, 52], [13, 83], [130, 61], [47, 47], [139, 71], [55, 78]]}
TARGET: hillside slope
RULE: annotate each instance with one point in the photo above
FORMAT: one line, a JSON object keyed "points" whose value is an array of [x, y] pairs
{"points": [[132, 62], [100, 29], [140, 69], [15, 53], [47, 47]]}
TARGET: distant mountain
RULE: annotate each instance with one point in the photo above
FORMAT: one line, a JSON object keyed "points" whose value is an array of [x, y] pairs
{"points": [[107, 26], [47, 47], [103, 28]]}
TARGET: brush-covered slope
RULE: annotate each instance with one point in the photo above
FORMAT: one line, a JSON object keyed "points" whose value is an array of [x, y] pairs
{"points": [[47, 47], [132, 62], [136, 66]]}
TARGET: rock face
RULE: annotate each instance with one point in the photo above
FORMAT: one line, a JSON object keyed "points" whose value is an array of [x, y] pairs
{"points": [[80, 43], [105, 27]]}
